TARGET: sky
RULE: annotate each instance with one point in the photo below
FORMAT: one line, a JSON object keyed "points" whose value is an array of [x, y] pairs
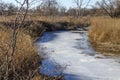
{"points": [[66, 3], [71, 3]]}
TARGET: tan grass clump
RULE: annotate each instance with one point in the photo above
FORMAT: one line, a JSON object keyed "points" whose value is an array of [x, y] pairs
{"points": [[105, 34], [24, 63]]}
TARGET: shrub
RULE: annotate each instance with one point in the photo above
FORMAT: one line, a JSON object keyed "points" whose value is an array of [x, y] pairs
{"points": [[24, 64]]}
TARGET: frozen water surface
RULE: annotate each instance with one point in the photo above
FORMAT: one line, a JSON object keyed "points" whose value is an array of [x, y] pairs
{"points": [[69, 53]]}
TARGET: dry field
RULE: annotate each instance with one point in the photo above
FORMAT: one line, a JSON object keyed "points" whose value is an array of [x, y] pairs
{"points": [[105, 35], [52, 19], [24, 63]]}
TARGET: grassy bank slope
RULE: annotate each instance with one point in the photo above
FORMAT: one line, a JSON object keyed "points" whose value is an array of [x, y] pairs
{"points": [[105, 35], [24, 65]]}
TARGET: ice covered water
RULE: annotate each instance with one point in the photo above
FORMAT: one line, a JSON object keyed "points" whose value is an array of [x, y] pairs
{"points": [[68, 53]]}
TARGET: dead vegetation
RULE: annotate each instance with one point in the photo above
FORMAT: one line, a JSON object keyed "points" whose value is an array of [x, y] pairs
{"points": [[25, 63], [26, 60], [104, 34]]}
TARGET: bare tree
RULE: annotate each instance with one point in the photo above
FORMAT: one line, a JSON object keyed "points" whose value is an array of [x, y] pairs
{"points": [[49, 7], [118, 8], [11, 9], [81, 6], [62, 10], [109, 6], [8, 70], [7, 8], [19, 20], [3, 7], [72, 12]]}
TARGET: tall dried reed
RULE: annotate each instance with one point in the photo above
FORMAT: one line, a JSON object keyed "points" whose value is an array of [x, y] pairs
{"points": [[105, 34]]}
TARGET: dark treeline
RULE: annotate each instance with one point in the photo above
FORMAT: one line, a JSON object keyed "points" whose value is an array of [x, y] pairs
{"points": [[7, 8], [53, 8]]}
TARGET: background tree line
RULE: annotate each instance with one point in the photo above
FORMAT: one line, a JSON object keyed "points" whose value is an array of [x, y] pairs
{"points": [[7, 8], [54, 8]]}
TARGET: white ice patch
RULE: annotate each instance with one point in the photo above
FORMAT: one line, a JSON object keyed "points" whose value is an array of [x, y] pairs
{"points": [[69, 53]]}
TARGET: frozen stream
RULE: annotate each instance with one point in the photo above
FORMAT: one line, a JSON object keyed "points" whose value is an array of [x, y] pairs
{"points": [[69, 53]]}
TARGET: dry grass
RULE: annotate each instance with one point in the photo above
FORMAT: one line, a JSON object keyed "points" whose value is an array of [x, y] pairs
{"points": [[7, 18], [70, 19], [105, 34], [50, 19], [26, 60]]}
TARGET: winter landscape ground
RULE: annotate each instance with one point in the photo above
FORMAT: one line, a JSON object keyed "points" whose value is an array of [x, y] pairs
{"points": [[69, 53], [48, 40]]}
